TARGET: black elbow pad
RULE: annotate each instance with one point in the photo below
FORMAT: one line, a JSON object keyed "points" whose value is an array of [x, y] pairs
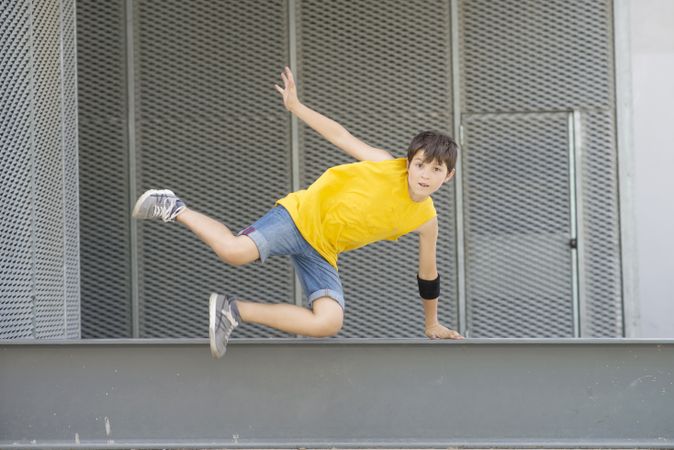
{"points": [[429, 289]]}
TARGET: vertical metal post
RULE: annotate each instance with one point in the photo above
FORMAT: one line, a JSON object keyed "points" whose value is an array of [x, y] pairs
{"points": [[458, 177], [131, 142], [294, 126], [63, 173], [77, 183], [33, 150], [623, 92], [575, 189]]}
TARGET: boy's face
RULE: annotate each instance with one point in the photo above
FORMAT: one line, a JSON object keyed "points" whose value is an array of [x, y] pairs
{"points": [[424, 178]]}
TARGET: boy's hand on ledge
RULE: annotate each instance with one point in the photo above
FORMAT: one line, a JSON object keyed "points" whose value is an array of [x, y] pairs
{"points": [[289, 92], [438, 331]]}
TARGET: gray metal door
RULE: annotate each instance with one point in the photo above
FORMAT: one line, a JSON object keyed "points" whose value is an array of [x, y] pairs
{"points": [[520, 225]]}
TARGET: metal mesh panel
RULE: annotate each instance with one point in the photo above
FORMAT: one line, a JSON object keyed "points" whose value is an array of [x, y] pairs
{"points": [[517, 229], [205, 105], [39, 153], [392, 82], [601, 277], [536, 55], [70, 170], [49, 295], [210, 127], [103, 162], [16, 257]]}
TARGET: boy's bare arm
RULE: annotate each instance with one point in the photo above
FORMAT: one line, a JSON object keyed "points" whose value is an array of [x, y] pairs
{"points": [[428, 237], [326, 127]]}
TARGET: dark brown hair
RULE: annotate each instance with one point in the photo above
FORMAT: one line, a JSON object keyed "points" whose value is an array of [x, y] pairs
{"points": [[436, 146]]}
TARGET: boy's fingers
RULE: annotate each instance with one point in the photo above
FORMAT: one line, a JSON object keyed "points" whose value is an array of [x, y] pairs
{"points": [[278, 88]]}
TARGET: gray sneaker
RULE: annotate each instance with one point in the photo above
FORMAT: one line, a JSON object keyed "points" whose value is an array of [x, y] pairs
{"points": [[221, 323], [158, 204]]}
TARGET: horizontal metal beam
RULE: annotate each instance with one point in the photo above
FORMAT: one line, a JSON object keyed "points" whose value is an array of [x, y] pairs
{"points": [[338, 393]]}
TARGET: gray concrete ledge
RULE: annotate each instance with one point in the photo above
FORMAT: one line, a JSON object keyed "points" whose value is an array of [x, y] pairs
{"points": [[330, 393]]}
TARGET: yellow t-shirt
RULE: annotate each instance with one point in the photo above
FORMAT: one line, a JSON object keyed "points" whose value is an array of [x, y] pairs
{"points": [[353, 205]]}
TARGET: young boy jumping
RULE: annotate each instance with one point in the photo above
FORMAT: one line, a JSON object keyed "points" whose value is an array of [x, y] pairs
{"points": [[349, 206]]}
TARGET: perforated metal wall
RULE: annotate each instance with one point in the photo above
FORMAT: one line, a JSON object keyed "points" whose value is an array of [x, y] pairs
{"points": [[377, 70], [16, 301], [70, 170], [104, 170], [538, 56], [210, 127], [600, 282], [519, 280], [39, 292]]}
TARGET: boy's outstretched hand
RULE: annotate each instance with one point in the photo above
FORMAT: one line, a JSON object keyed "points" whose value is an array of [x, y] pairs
{"points": [[289, 92], [438, 331]]}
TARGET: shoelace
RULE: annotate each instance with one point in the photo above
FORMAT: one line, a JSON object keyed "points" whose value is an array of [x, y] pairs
{"points": [[163, 208]]}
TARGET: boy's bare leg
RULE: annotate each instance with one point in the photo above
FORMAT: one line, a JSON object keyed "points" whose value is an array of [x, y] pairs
{"points": [[324, 320], [225, 313], [235, 250]]}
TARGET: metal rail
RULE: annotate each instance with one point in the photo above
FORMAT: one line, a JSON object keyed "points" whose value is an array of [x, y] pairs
{"points": [[338, 393]]}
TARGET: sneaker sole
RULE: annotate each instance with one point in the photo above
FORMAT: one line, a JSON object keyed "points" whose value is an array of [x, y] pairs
{"points": [[212, 301], [136, 208]]}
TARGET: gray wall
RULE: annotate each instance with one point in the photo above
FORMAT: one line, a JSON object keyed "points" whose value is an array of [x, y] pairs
{"points": [[39, 232], [170, 96], [40, 238], [652, 60]]}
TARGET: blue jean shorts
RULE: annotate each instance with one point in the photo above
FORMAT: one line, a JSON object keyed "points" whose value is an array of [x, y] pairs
{"points": [[275, 234]]}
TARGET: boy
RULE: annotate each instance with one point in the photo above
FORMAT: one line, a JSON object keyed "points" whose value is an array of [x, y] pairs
{"points": [[349, 206]]}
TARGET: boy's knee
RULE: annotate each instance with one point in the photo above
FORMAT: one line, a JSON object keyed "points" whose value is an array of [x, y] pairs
{"points": [[329, 326], [235, 258], [327, 331], [328, 317], [236, 252]]}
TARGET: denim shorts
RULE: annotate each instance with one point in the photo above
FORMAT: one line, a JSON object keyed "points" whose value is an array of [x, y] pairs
{"points": [[275, 234]]}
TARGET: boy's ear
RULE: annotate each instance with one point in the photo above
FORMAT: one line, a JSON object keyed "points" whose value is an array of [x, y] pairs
{"points": [[449, 175]]}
